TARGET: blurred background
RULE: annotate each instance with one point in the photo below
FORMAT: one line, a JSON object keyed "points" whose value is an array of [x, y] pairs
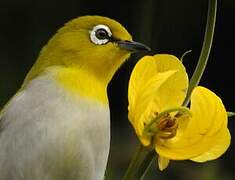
{"points": [[166, 26]]}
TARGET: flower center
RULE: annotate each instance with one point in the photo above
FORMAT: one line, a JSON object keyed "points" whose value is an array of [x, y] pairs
{"points": [[167, 127], [163, 125]]}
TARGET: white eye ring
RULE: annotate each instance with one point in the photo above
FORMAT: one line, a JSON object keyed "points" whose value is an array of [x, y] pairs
{"points": [[97, 40]]}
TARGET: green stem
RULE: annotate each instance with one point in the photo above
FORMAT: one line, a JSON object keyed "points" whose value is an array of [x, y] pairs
{"points": [[147, 163], [206, 48], [139, 163]]}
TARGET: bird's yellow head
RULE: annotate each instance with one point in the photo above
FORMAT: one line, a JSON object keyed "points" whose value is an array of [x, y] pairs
{"points": [[91, 45]]}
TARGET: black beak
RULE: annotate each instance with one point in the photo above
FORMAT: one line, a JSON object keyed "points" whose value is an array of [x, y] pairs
{"points": [[133, 46]]}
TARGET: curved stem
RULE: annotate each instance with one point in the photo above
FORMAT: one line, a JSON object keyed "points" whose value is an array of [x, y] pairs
{"points": [[185, 54], [206, 48]]}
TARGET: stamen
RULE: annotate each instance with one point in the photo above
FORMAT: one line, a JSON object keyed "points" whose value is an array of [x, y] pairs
{"points": [[166, 134], [167, 127], [164, 125]]}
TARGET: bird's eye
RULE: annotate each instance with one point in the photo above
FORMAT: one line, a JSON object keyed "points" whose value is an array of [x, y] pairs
{"points": [[100, 34]]}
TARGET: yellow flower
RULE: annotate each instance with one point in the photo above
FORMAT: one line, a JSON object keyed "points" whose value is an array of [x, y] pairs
{"points": [[157, 89]]}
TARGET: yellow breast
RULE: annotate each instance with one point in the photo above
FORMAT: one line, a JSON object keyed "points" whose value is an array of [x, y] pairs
{"points": [[82, 83]]}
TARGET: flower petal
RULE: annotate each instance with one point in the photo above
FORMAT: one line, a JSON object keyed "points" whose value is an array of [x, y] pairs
{"points": [[197, 135], [163, 162], [140, 115], [148, 103], [142, 72], [172, 93], [208, 111], [219, 144]]}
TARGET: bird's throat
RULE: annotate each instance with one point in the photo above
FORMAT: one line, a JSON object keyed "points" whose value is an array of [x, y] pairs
{"points": [[79, 82]]}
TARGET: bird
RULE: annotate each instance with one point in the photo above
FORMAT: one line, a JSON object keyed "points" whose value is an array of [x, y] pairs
{"points": [[57, 125]]}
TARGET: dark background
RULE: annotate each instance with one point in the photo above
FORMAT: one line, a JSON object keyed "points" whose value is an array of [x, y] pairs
{"points": [[167, 26]]}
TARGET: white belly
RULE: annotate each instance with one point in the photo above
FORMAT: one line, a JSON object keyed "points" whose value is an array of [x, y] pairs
{"points": [[48, 135]]}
